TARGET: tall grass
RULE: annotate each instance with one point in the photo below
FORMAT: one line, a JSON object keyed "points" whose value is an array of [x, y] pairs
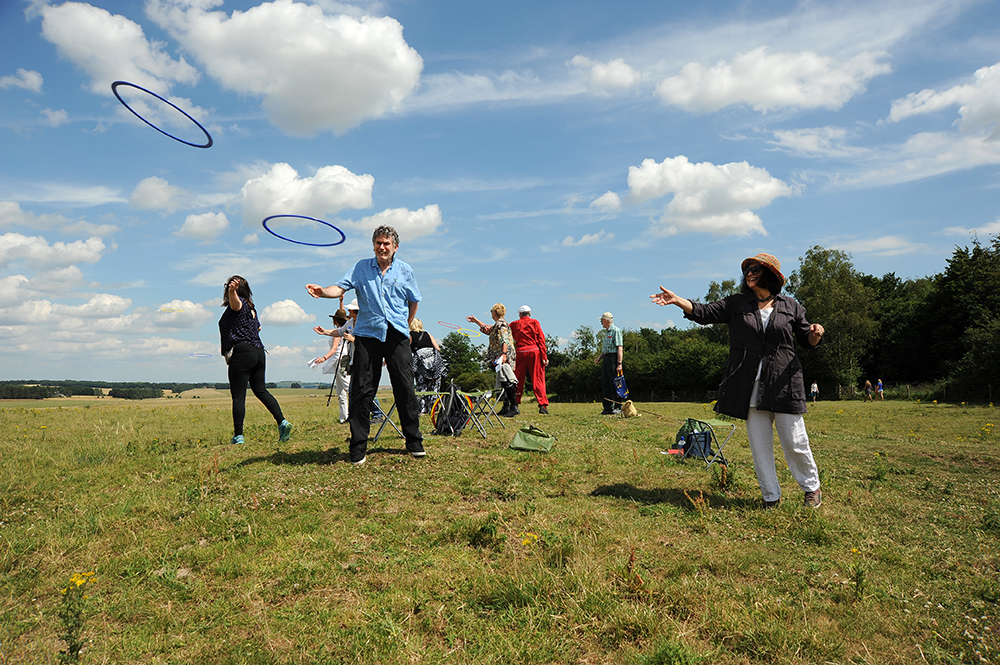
{"points": [[604, 551]]}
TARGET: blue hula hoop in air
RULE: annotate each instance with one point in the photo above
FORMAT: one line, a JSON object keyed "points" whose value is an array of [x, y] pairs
{"points": [[114, 89], [299, 242]]}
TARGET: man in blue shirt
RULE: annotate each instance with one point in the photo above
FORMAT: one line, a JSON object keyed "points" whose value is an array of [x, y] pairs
{"points": [[611, 363], [387, 301]]}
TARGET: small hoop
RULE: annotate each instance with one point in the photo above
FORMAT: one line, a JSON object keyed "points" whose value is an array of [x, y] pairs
{"points": [[114, 89], [201, 355], [299, 242], [467, 332], [170, 310], [451, 326]]}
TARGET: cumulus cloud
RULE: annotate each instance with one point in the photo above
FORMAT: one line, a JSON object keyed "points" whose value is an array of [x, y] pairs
{"points": [[55, 118], [154, 193], [25, 78], [884, 246], [11, 214], [978, 102], [607, 201], [205, 227], [605, 78], [589, 239], [285, 313], [816, 142], [769, 81], [992, 228], [410, 224], [37, 252], [706, 197], [101, 308], [281, 191], [108, 47], [181, 314], [214, 269], [924, 155], [251, 239], [314, 71]]}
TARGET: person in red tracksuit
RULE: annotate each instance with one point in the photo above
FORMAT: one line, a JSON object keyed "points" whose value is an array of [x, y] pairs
{"points": [[529, 340]]}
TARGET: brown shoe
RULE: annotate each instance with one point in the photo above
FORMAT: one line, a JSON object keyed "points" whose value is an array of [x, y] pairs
{"points": [[814, 498], [771, 505]]}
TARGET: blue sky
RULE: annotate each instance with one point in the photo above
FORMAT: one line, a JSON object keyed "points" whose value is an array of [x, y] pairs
{"points": [[569, 156]]}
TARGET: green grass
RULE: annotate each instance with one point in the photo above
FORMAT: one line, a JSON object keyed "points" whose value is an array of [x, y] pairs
{"points": [[604, 551]]}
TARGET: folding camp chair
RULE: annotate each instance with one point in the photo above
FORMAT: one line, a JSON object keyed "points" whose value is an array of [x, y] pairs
{"points": [[470, 400], [696, 436], [386, 420], [484, 405]]}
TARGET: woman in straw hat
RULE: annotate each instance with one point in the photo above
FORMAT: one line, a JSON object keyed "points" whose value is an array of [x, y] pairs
{"points": [[762, 380]]}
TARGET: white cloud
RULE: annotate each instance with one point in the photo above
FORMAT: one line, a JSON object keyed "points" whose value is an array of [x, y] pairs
{"points": [[55, 118], [154, 193], [816, 142], [605, 78], [589, 239], [281, 191], [409, 224], [450, 89], [25, 78], [96, 313], [884, 246], [992, 228], [214, 269], [922, 156], [181, 314], [205, 227], [607, 201], [706, 197], [979, 103], [109, 47], [35, 251], [251, 239], [75, 195], [11, 214], [285, 313], [769, 81], [314, 71]]}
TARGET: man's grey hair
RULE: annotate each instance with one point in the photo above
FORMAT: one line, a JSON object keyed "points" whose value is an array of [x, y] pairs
{"points": [[386, 231]]}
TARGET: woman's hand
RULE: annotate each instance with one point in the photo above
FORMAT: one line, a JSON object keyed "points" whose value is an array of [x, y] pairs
{"points": [[816, 332], [349, 337], [665, 297]]}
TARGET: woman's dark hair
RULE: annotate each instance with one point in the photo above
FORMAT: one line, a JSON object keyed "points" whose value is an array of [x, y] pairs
{"points": [[242, 290], [767, 280]]}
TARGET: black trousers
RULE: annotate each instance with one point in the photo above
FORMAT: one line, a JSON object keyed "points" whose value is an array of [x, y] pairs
{"points": [[609, 370], [369, 353], [246, 367]]}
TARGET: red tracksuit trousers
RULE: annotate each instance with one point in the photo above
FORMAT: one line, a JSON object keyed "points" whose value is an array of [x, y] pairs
{"points": [[529, 361]]}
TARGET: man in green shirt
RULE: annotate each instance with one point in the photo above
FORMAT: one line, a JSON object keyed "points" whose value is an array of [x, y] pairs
{"points": [[611, 363]]}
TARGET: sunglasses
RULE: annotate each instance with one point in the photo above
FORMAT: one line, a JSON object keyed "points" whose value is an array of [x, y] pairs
{"points": [[755, 269]]}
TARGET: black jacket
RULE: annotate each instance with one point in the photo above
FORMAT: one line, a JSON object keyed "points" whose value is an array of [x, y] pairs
{"points": [[782, 388]]}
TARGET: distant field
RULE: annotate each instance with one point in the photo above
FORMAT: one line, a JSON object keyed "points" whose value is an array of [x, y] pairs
{"points": [[604, 551]]}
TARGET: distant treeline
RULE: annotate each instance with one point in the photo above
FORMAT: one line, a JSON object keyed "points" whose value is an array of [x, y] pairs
{"points": [[42, 389]]}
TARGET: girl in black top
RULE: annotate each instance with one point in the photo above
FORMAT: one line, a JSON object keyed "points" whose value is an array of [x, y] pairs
{"points": [[239, 330]]}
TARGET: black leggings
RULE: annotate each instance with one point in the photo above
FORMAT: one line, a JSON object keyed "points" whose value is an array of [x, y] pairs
{"points": [[247, 367]]}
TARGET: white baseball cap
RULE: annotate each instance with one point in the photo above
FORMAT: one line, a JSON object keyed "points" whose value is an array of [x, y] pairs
{"points": [[353, 304], [523, 309]]}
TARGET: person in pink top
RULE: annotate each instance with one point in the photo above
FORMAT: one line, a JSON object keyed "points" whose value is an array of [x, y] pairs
{"points": [[529, 340]]}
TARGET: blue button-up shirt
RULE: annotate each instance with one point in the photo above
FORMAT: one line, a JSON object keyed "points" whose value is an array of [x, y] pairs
{"points": [[383, 300]]}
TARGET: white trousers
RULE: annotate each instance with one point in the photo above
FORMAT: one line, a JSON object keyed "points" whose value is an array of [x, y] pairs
{"points": [[795, 444], [342, 384]]}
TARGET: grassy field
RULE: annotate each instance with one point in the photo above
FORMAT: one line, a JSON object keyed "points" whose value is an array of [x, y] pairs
{"points": [[604, 551]]}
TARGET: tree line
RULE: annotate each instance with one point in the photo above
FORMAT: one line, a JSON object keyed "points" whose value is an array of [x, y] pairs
{"points": [[937, 337]]}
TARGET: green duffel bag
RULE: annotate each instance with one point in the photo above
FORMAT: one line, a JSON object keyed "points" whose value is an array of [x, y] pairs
{"points": [[532, 438]]}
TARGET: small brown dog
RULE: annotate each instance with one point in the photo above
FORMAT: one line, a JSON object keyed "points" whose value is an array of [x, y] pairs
{"points": [[628, 409]]}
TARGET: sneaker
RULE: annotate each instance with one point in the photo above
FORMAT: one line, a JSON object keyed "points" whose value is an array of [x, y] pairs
{"points": [[284, 431], [616, 412], [814, 498], [513, 411], [771, 505], [543, 410], [237, 439], [359, 462], [415, 448]]}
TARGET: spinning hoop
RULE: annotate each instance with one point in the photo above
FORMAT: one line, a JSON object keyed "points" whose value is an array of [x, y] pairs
{"points": [[170, 310], [201, 355], [452, 326], [114, 89], [467, 332], [299, 242]]}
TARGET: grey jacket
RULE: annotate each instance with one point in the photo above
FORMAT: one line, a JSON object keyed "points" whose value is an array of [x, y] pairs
{"points": [[782, 388]]}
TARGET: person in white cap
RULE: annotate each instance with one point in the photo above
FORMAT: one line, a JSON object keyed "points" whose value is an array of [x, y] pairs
{"points": [[532, 356], [610, 361], [340, 357]]}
